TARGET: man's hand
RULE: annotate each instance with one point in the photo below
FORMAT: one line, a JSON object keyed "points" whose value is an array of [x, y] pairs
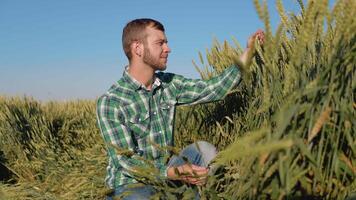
{"points": [[259, 35], [247, 55], [189, 173]]}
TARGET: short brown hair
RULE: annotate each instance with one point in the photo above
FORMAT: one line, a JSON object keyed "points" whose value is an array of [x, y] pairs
{"points": [[135, 31]]}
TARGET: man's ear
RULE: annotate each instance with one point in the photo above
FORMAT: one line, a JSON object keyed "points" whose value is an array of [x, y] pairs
{"points": [[137, 48]]}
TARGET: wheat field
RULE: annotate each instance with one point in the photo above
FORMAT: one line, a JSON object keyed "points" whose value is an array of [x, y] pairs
{"points": [[288, 131]]}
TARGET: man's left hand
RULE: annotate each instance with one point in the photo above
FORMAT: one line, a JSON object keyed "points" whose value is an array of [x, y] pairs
{"points": [[247, 55], [259, 35]]}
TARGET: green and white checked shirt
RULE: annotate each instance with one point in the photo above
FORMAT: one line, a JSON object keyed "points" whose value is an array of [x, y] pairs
{"points": [[132, 117]]}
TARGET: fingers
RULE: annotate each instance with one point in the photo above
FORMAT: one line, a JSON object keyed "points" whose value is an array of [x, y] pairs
{"points": [[194, 174], [192, 169], [196, 181], [199, 169], [260, 36], [188, 173]]}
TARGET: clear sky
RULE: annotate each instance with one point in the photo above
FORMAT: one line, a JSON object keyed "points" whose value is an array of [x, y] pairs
{"points": [[71, 49]]}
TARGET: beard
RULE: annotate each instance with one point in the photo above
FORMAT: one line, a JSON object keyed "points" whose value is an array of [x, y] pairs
{"points": [[155, 63]]}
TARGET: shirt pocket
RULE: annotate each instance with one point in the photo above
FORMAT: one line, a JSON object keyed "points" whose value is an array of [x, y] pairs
{"points": [[167, 108], [167, 105], [140, 125]]}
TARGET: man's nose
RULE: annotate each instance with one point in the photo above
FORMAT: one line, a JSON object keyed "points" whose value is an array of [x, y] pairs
{"points": [[168, 50]]}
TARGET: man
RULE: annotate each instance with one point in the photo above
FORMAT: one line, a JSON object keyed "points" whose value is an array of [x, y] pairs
{"points": [[137, 112]]}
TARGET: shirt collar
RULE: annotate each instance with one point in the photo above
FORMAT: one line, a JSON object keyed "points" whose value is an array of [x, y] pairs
{"points": [[135, 84]]}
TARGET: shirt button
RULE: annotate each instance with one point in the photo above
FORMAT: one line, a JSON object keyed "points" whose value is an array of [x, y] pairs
{"points": [[154, 113], [138, 151]]}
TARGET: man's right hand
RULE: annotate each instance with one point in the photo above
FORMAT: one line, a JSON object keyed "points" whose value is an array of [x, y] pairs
{"points": [[189, 173]]}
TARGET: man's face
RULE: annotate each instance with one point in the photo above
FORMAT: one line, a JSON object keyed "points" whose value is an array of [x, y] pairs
{"points": [[156, 49]]}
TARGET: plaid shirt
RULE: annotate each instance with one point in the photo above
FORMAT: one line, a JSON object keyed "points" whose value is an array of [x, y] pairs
{"points": [[132, 117]]}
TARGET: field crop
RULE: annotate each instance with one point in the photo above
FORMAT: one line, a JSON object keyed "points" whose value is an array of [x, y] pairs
{"points": [[287, 132]]}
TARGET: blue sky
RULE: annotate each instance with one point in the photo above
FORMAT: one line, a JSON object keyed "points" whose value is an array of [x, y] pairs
{"points": [[71, 49]]}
